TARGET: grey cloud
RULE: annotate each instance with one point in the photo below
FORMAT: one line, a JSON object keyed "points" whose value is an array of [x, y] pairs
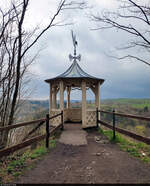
{"points": [[123, 79]]}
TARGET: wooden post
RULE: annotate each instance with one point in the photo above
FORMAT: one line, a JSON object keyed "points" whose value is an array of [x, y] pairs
{"points": [[97, 97], [83, 104], [62, 120], [50, 104], [97, 117], [68, 97], [47, 131], [114, 134], [55, 98], [61, 95]]}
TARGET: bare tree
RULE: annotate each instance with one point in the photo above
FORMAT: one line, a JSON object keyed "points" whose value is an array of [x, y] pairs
{"points": [[132, 17], [15, 44]]}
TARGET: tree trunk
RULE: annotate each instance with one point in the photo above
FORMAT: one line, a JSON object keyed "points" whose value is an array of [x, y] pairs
{"points": [[3, 139]]}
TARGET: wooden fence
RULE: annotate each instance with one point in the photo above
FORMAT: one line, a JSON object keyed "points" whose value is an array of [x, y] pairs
{"points": [[25, 143], [123, 131]]}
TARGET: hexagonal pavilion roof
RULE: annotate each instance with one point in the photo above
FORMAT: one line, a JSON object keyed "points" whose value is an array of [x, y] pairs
{"points": [[74, 72]]}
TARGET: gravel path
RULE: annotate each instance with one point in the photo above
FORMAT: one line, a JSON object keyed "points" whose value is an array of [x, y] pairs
{"points": [[91, 158]]}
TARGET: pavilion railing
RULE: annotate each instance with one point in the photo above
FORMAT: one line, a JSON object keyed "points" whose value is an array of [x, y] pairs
{"points": [[25, 143], [120, 130]]}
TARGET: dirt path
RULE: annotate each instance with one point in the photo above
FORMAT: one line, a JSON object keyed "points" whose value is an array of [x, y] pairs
{"points": [[94, 162]]}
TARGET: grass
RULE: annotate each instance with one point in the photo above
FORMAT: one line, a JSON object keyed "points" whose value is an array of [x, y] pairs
{"points": [[53, 143], [141, 106], [15, 165], [42, 150], [136, 149], [38, 152]]}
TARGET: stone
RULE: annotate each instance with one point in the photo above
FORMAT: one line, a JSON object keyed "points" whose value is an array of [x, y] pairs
{"points": [[143, 154], [89, 168], [97, 138], [98, 154]]}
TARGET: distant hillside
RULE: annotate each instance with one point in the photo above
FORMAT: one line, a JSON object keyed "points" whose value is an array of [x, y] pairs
{"points": [[134, 103], [31, 105], [127, 100], [45, 103], [30, 108], [36, 109], [139, 107], [39, 103]]}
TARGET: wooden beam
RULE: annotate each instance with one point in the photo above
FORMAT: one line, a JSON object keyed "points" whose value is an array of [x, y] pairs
{"points": [[26, 143], [126, 132], [33, 130], [50, 99], [68, 96], [21, 124], [127, 115], [27, 123], [97, 96], [55, 98], [61, 95], [93, 89], [83, 104]]}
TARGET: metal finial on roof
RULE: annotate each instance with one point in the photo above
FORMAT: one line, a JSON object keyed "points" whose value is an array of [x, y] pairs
{"points": [[75, 43], [74, 71]]}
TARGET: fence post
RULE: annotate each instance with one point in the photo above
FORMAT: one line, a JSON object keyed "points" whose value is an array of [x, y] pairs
{"points": [[114, 121], [62, 121], [47, 131], [97, 117]]}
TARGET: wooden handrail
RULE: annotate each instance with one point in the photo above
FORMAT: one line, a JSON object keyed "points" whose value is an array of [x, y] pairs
{"points": [[21, 124], [26, 143], [33, 130], [126, 132], [55, 116], [27, 123], [14, 148], [127, 115]]}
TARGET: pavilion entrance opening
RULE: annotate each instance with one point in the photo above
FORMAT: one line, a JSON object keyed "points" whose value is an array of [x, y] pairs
{"points": [[74, 110]]}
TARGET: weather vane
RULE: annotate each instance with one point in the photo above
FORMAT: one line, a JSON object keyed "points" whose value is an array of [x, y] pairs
{"points": [[75, 43]]}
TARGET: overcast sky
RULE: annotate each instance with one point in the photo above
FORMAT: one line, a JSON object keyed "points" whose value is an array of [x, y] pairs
{"points": [[123, 79]]}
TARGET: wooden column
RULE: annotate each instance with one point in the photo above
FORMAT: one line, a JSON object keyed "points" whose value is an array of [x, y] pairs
{"points": [[61, 85], [55, 98], [68, 96], [83, 104], [50, 99], [97, 98]]}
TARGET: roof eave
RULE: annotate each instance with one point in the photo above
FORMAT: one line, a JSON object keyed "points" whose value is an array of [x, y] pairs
{"points": [[63, 78]]}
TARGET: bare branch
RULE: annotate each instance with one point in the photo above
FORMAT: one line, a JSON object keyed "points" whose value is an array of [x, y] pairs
{"points": [[132, 12], [15, 42], [130, 56]]}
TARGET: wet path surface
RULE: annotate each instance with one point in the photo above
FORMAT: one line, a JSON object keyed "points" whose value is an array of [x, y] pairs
{"points": [[95, 160]]}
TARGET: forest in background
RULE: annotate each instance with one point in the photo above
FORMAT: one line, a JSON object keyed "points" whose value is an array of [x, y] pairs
{"points": [[35, 109], [139, 107]]}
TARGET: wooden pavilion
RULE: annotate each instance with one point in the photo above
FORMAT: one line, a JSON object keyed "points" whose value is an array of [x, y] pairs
{"points": [[74, 77]]}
